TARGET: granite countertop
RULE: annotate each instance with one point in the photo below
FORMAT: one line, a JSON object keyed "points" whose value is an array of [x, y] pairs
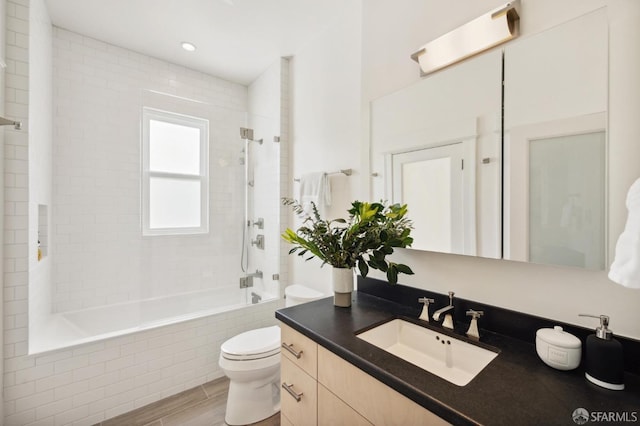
{"points": [[515, 388]]}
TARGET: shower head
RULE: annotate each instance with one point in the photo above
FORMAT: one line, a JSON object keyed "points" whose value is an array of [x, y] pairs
{"points": [[6, 122]]}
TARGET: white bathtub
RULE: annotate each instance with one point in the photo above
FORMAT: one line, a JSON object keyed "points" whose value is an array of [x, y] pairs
{"points": [[93, 324]]}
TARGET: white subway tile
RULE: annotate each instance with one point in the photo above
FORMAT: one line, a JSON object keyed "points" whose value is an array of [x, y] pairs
{"points": [[70, 363], [69, 391], [34, 400], [70, 416], [20, 419]]}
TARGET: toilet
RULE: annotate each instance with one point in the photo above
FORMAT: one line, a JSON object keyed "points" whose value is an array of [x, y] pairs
{"points": [[296, 294], [251, 361]]}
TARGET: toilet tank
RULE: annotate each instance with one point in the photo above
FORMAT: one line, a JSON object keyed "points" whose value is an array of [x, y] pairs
{"points": [[296, 294]]}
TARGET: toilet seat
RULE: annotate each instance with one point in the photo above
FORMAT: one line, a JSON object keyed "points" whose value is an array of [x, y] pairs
{"points": [[252, 345]]}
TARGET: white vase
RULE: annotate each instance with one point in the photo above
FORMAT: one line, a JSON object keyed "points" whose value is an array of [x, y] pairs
{"points": [[342, 281]]}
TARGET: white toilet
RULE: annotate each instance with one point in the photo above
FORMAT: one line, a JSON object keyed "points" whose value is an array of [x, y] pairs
{"points": [[251, 361], [296, 294]]}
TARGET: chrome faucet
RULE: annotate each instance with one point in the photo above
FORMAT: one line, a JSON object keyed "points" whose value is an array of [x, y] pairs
{"points": [[448, 310]]}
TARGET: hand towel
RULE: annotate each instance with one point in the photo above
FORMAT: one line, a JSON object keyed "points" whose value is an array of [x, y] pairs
{"points": [[625, 269], [315, 188]]}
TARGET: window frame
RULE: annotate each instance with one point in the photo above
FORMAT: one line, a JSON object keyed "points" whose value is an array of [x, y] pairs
{"points": [[149, 114]]}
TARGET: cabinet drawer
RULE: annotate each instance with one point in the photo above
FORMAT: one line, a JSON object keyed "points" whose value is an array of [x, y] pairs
{"points": [[334, 411], [300, 350], [299, 404], [372, 399], [284, 421]]}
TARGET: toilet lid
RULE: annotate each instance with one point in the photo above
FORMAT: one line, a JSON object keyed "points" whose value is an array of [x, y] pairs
{"points": [[301, 292], [253, 344]]}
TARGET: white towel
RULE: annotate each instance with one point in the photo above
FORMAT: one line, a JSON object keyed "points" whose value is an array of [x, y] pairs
{"points": [[625, 269], [315, 188]]}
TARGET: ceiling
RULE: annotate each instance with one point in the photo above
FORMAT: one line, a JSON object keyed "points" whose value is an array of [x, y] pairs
{"points": [[236, 39]]}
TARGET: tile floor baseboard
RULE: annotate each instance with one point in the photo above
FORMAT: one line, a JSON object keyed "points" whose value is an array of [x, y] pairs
{"points": [[203, 405]]}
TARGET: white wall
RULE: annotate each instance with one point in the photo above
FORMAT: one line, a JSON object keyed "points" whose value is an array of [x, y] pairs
{"points": [[325, 122], [393, 30], [16, 197], [100, 90], [40, 159], [3, 32]]}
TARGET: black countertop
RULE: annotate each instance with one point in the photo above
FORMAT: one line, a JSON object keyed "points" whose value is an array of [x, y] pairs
{"points": [[516, 388]]}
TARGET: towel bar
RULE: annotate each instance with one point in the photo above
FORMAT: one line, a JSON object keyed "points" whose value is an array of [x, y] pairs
{"points": [[346, 172]]}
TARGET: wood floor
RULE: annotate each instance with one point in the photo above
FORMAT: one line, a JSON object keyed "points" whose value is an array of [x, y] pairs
{"points": [[201, 406]]}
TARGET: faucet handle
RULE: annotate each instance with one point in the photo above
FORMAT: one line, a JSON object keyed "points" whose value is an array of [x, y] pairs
{"points": [[424, 315], [473, 331], [474, 314]]}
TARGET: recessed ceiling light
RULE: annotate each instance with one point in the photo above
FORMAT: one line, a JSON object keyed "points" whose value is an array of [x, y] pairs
{"points": [[189, 47]]}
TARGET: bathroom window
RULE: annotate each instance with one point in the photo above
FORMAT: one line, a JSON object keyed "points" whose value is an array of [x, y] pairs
{"points": [[175, 177]]}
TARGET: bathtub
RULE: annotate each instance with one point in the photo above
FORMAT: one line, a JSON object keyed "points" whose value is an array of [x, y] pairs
{"points": [[93, 324]]}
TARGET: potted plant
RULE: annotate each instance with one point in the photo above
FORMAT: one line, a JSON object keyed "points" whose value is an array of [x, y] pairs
{"points": [[365, 239]]}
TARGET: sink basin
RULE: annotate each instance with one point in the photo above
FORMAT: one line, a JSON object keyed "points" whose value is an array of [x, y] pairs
{"points": [[447, 357]]}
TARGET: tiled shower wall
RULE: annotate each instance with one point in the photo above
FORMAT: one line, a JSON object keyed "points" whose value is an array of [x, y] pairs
{"points": [[86, 384], [100, 256]]}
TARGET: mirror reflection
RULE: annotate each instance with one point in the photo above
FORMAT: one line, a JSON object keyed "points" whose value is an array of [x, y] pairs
{"points": [[555, 145], [441, 151], [441, 156]]}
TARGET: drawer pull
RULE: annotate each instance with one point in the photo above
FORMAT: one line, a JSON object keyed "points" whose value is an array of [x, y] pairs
{"points": [[290, 349], [296, 396]]}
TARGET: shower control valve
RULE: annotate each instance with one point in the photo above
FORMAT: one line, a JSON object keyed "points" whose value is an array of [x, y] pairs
{"points": [[258, 242]]}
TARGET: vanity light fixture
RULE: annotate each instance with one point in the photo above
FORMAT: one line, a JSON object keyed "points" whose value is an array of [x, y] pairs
{"points": [[189, 47], [489, 30]]}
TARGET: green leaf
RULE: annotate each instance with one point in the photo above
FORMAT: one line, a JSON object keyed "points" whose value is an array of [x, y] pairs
{"points": [[378, 255], [383, 266], [386, 250], [362, 266], [392, 275], [404, 269]]}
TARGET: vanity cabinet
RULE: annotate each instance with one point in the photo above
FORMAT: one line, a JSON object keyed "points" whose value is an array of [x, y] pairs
{"points": [[326, 389], [298, 374], [375, 401]]}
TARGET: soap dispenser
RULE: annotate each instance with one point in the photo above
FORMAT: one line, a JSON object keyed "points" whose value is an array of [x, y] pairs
{"points": [[604, 357]]}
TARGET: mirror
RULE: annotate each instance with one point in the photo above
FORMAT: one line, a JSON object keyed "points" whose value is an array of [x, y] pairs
{"points": [[555, 100], [436, 146], [555, 145]]}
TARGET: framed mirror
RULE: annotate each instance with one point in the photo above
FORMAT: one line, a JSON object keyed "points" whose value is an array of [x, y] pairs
{"points": [[550, 205]]}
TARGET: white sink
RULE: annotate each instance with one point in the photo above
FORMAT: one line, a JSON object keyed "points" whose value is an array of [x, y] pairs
{"points": [[447, 357]]}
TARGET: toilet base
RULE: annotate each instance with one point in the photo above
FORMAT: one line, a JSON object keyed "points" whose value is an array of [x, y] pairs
{"points": [[251, 402]]}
